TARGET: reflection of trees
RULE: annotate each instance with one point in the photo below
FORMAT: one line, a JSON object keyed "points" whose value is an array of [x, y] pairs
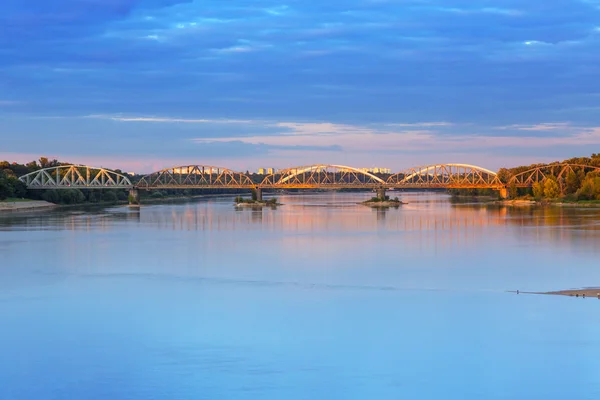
{"points": [[554, 223], [76, 218]]}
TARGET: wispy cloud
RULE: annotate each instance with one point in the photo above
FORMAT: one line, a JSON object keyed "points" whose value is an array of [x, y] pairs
{"points": [[550, 126], [170, 120], [9, 103]]}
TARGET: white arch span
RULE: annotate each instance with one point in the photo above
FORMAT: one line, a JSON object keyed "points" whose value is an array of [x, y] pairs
{"points": [[301, 170], [427, 168]]}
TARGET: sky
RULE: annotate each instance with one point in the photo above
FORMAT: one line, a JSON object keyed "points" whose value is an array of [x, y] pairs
{"points": [[145, 84]]}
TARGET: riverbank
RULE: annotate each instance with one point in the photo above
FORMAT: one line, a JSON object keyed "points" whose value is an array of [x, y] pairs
{"points": [[41, 205], [521, 203], [586, 292], [14, 206], [517, 202]]}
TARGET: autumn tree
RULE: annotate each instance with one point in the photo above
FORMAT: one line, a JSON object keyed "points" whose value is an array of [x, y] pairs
{"points": [[551, 188], [504, 175], [538, 190], [513, 191]]}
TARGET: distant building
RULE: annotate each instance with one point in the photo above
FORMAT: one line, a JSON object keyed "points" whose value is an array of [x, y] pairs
{"points": [[377, 170], [266, 171]]}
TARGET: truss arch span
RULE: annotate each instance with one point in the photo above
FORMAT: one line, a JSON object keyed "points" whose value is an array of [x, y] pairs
{"points": [[75, 177], [446, 176], [195, 176], [541, 172], [322, 176]]}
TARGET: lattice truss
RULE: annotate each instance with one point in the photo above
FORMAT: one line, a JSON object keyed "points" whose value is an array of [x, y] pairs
{"points": [[322, 176], [559, 171], [75, 176], [446, 176], [196, 176]]}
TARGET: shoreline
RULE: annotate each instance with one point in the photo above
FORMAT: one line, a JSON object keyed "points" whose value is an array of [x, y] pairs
{"points": [[42, 205], [521, 203], [586, 292], [16, 206]]}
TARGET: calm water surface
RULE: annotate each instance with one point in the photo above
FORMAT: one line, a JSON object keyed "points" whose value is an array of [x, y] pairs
{"points": [[319, 299]]}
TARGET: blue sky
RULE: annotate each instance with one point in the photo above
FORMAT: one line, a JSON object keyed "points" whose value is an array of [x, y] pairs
{"points": [[145, 84]]}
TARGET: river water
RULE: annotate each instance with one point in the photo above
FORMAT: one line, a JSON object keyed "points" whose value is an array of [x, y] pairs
{"points": [[318, 299]]}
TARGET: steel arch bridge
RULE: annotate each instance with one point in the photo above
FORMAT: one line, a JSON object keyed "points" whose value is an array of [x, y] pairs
{"points": [[446, 176], [322, 176], [196, 177], [318, 176], [311, 176], [75, 177]]}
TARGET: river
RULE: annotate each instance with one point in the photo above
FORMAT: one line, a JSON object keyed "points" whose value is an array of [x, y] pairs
{"points": [[318, 299]]}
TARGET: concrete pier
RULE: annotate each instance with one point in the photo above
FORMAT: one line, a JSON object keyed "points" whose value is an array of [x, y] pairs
{"points": [[381, 193], [258, 192], [134, 197]]}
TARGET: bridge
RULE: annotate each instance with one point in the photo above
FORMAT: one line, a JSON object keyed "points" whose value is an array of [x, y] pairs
{"points": [[318, 176]]}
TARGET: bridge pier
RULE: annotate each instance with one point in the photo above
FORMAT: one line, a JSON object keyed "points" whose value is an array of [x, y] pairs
{"points": [[134, 196], [381, 194], [503, 193], [258, 192]]}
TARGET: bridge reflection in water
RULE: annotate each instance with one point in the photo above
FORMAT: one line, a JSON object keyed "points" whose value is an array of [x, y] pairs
{"points": [[430, 216]]}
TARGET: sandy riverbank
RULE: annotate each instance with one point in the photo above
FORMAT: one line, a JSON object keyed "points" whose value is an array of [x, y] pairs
{"points": [[8, 206], [585, 292]]}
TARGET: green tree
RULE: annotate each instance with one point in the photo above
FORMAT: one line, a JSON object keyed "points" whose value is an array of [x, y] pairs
{"points": [[551, 188], [51, 196], [538, 190], [92, 196], [111, 196], [5, 188], [19, 188]]}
